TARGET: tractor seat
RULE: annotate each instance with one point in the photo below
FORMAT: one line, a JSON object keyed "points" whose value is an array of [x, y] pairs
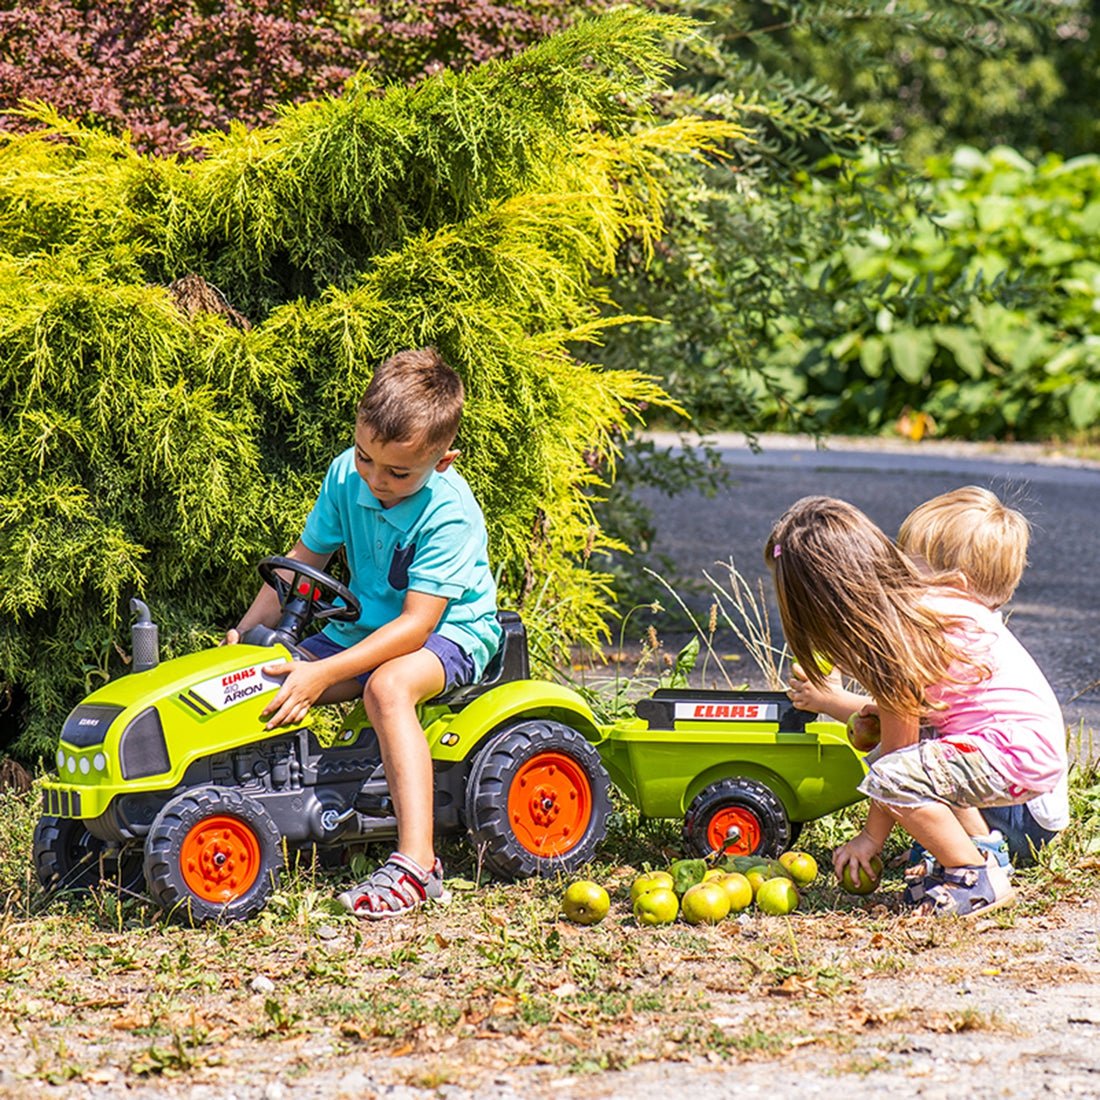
{"points": [[509, 663]]}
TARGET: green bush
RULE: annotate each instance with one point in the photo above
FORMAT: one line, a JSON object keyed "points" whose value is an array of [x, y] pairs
{"points": [[148, 450], [981, 314]]}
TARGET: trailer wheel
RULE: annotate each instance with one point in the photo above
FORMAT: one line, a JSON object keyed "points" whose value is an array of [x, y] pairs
{"points": [[537, 800], [67, 857], [213, 854], [743, 812]]}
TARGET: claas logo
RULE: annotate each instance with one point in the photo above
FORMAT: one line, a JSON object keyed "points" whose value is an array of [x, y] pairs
{"points": [[700, 710]]}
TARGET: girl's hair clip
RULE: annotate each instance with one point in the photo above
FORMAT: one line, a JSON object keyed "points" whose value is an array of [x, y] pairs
{"points": [[776, 550]]}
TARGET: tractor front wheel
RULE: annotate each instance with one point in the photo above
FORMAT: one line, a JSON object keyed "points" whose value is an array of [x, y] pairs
{"points": [[537, 800], [739, 817], [68, 857], [213, 854]]}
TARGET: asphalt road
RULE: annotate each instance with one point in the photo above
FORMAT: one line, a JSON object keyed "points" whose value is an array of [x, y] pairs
{"points": [[1055, 610]]}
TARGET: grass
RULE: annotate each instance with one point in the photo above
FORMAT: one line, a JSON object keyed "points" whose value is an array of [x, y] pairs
{"points": [[100, 989]]}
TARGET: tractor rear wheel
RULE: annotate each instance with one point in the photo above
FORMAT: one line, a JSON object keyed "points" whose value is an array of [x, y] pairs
{"points": [[740, 817], [68, 857], [213, 854], [537, 800]]}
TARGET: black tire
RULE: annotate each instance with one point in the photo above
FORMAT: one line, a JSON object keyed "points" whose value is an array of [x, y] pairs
{"points": [[564, 814], [212, 854], [67, 858], [738, 803]]}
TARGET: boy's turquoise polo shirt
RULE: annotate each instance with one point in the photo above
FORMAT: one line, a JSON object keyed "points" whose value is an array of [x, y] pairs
{"points": [[432, 542]]}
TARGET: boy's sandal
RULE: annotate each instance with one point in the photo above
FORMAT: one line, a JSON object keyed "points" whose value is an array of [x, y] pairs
{"points": [[964, 892], [399, 886]]}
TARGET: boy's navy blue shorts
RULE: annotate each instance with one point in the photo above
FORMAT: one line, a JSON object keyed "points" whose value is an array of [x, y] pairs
{"points": [[458, 668]]}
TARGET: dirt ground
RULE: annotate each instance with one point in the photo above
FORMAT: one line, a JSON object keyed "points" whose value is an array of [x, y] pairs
{"points": [[853, 1003]]}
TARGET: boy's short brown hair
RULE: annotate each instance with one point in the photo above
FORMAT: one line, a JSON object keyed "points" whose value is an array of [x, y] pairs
{"points": [[414, 395], [970, 531]]}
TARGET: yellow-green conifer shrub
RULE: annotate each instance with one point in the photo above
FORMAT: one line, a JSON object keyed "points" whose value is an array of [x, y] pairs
{"points": [[148, 451]]}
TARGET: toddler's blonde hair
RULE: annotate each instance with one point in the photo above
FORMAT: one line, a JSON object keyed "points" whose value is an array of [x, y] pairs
{"points": [[972, 532]]}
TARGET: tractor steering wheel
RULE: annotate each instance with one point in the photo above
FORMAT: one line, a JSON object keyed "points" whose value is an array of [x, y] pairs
{"points": [[301, 599]]}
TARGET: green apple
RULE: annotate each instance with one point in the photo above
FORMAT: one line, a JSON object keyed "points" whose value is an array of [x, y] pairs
{"points": [[777, 897], [738, 890], [657, 906], [650, 880], [705, 903], [585, 903], [865, 884], [801, 866]]}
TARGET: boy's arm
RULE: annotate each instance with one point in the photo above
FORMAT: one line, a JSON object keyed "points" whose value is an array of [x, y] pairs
{"points": [[307, 681], [264, 609]]}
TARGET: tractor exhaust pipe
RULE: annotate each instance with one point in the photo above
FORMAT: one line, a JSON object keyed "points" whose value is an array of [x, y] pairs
{"points": [[144, 638]]}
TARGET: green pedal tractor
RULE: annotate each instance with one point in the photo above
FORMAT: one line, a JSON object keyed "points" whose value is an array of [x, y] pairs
{"points": [[168, 782]]}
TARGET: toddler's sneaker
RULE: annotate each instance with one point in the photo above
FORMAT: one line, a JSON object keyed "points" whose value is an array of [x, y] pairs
{"points": [[399, 886], [967, 891]]}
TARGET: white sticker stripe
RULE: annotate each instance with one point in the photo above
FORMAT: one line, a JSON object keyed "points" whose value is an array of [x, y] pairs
{"points": [[701, 710], [226, 691]]}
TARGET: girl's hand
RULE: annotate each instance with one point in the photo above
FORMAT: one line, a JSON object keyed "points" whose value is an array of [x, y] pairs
{"points": [[809, 698], [857, 853], [304, 684]]}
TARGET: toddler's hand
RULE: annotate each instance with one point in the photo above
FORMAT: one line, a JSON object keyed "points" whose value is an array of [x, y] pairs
{"points": [[856, 853], [232, 636]]}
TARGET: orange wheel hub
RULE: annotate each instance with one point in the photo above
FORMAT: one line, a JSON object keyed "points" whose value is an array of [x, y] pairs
{"points": [[549, 804], [220, 859], [739, 826]]}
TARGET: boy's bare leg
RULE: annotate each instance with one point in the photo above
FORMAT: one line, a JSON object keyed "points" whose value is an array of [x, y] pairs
{"points": [[390, 697]]}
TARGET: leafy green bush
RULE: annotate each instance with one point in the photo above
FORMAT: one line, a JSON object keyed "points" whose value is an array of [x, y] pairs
{"points": [[144, 450], [982, 315]]}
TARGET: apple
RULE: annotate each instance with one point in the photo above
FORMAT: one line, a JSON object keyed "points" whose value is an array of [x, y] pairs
{"points": [[777, 897], [650, 880], [864, 731], [801, 866], [865, 883], [705, 903], [738, 890], [586, 903], [657, 906]]}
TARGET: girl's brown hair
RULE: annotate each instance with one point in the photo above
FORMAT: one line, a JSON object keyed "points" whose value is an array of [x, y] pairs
{"points": [[846, 592]]}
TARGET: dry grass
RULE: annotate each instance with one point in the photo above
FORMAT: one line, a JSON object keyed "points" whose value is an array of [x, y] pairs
{"points": [[99, 990]]}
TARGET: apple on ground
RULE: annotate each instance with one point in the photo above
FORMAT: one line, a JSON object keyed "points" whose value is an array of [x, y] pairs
{"points": [[801, 866], [586, 903], [777, 897], [738, 890], [705, 903], [649, 880], [657, 906]]}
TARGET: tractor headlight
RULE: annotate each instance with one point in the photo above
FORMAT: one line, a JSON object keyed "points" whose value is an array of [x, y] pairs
{"points": [[142, 749]]}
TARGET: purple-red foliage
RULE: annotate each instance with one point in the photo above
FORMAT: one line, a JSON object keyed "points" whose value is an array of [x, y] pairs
{"points": [[164, 68], [409, 39]]}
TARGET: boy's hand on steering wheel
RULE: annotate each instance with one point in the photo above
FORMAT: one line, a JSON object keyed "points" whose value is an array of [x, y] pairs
{"points": [[305, 682]]}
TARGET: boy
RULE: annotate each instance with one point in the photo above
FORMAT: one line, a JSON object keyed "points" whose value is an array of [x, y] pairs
{"points": [[973, 534], [417, 557]]}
